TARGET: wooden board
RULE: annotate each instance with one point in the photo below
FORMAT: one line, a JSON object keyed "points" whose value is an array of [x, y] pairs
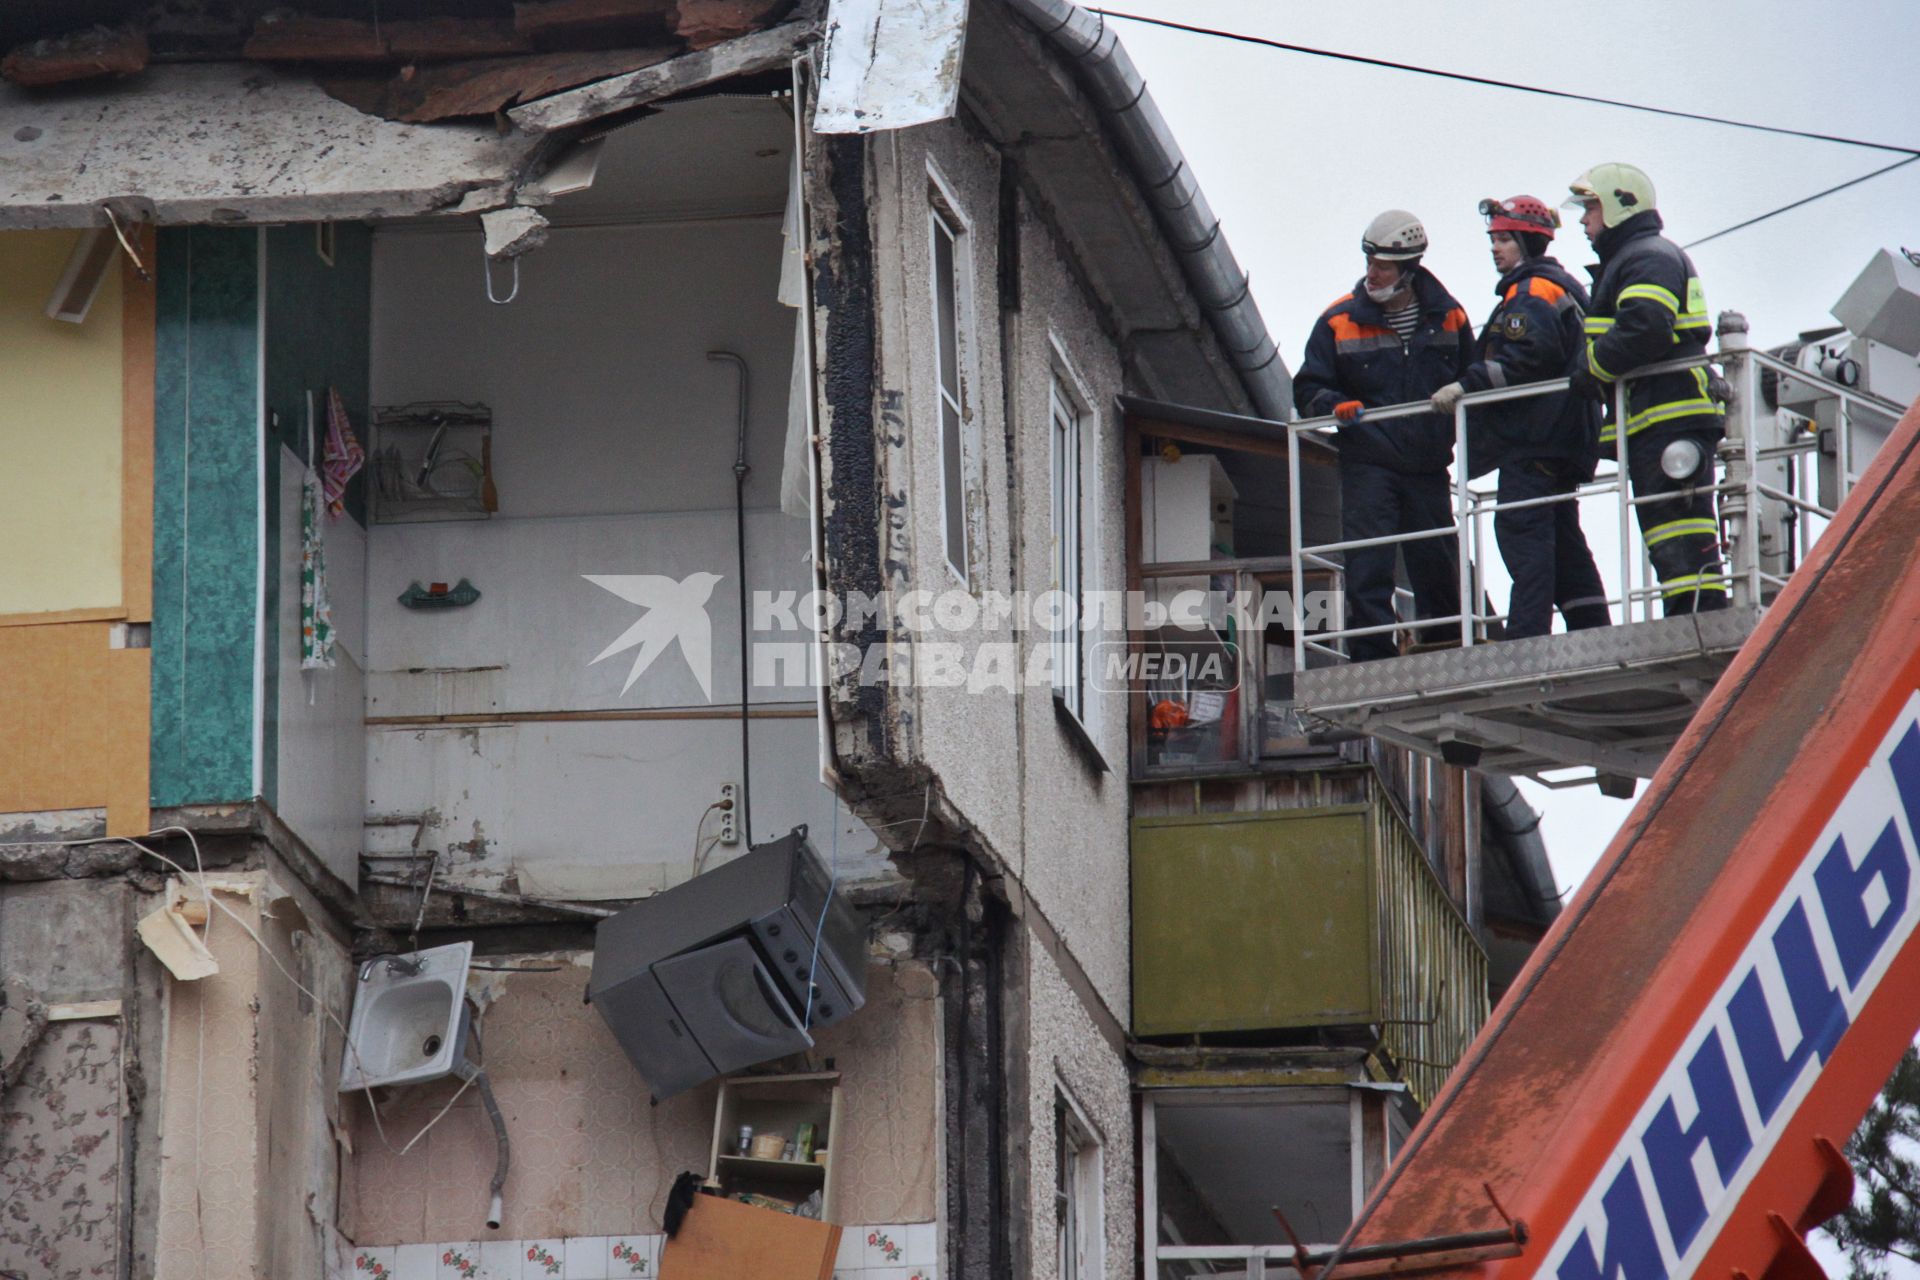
{"points": [[84, 707], [726, 1240]]}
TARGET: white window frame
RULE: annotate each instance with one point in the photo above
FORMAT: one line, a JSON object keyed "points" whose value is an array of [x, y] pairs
{"points": [[1075, 565], [1066, 518], [1275, 1255], [1079, 1190], [952, 336]]}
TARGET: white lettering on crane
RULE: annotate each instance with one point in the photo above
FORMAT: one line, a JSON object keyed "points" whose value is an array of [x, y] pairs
{"points": [[1716, 1112]]}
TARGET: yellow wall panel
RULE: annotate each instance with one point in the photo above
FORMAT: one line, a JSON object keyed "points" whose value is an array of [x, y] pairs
{"points": [[61, 422]]}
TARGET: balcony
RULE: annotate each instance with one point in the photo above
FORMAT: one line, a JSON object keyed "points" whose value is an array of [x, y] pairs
{"points": [[1324, 925]]}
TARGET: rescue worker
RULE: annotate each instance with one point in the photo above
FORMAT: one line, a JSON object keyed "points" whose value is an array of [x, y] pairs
{"points": [[1543, 446], [1397, 337], [1648, 307]]}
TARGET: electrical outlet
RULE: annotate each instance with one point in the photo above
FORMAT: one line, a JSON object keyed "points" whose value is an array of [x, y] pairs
{"points": [[729, 813]]}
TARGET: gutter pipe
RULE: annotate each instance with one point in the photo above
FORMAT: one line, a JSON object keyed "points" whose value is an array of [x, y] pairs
{"points": [[1185, 218], [1519, 828]]}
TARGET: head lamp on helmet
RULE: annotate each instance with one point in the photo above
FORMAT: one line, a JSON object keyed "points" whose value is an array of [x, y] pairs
{"points": [[1520, 214]]}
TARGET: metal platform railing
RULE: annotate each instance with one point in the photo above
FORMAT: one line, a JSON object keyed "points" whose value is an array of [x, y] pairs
{"points": [[1755, 447]]}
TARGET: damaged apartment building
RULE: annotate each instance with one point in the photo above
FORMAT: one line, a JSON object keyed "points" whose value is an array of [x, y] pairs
{"points": [[497, 492]]}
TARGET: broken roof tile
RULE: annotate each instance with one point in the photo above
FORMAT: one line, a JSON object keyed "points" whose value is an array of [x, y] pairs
{"points": [[81, 55], [295, 37], [483, 86], [449, 39], [705, 23]]}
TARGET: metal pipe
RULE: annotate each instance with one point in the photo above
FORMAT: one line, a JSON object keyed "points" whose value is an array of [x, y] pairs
{"points": [[1462, 502], [1192, 230], [740, 469]]}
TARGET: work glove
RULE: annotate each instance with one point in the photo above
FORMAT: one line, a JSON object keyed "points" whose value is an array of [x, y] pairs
{"points": [[1349, 410], [1583, 384], [1446, 398]]}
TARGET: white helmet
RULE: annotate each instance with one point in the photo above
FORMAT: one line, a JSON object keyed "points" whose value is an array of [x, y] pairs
{"points": [[1394, 236]]}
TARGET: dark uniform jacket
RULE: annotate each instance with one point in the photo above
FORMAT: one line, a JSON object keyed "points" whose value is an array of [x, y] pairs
{"points": [[1648, 306], [1354, 354], [1532, 335]]}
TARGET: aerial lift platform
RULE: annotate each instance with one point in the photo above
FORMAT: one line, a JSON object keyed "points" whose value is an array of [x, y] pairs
{"points": [[1801, 422], [1665, 1090]]}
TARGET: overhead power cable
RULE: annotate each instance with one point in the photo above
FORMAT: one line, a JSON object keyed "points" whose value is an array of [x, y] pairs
{"points": [[1509, 84], [1818, 195]]}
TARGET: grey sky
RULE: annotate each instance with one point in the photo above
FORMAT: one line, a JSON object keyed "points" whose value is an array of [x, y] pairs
{"points": [[1296, 153]]}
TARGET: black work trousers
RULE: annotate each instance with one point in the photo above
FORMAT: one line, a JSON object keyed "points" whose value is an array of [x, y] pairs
{"points": [[1546, 553], [1680, 531], [1376, 502]]}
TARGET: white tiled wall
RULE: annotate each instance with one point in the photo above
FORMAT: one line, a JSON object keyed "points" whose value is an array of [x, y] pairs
{"points": [[578, 1258], [908, 1251], [899, 1251]]}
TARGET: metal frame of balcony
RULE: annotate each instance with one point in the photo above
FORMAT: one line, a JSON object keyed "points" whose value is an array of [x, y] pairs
{"points": [[1611, 700]]}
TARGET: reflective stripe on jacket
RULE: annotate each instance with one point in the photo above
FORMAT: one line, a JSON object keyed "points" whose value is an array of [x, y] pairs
{"points": [[1648, 307], [1531, 336], [1354, 354]]}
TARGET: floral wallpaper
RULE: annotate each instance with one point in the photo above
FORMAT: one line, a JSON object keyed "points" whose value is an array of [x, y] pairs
{"points": [[592, 1154], [60, 1157]]}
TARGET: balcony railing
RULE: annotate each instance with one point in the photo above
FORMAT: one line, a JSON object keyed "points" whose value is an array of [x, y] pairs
{"points": [[1752, 451], [1433, 974]]}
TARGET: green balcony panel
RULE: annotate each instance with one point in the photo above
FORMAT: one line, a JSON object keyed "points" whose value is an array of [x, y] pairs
{"points": [[1253, 921], [1287, 920]]}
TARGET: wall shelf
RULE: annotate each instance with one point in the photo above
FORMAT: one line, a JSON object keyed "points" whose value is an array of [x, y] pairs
{"points": [[776, 1105]]}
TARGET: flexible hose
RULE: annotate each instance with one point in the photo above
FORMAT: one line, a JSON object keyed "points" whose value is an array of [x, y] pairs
{"points": [[503, 1147]]}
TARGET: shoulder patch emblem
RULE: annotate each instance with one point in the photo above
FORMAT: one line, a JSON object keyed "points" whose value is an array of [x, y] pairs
{"points": [[1514, 327]]}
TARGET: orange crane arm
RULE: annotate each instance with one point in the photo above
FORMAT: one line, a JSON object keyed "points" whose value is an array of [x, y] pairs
{"points": [[1664, 1090]]}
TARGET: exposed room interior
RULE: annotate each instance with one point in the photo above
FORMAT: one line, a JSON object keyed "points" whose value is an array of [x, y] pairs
{"points": [[552, 442]]}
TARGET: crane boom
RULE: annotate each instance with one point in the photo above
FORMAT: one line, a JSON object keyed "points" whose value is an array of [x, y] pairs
{"points": [[1665, 1089]]}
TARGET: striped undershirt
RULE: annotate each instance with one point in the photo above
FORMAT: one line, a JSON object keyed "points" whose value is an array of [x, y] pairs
{"points": [[1405, 320]]}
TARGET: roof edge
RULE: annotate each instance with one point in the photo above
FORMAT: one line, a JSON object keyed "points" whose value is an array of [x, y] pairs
{"points": [[1192, 229]]}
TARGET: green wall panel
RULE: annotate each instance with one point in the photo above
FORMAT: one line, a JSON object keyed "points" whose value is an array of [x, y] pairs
{"points": [[206, 514], [1253, 922], [318, 336]]}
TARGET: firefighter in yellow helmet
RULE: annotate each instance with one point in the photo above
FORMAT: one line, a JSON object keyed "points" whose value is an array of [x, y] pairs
{"points": [[1648, 307]]}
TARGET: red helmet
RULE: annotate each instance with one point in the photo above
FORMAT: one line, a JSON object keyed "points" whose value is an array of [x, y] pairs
{"points": [[1521, 213]]}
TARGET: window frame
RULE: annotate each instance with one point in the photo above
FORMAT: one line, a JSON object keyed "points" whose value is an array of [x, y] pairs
{"points": [[1080, 1202], [952, 350], [1066, 523], [1076, 703]]}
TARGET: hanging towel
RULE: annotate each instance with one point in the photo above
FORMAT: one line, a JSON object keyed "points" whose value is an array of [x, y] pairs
{"points": [[344, 455]]}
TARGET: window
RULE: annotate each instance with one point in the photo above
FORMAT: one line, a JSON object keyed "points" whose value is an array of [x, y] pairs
{"points": [[950, 257], [1078, 1200], [1069, 653]]}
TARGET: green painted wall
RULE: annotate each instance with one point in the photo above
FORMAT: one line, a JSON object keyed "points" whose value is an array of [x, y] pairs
{"points": [[205, 514], [318, 336]]}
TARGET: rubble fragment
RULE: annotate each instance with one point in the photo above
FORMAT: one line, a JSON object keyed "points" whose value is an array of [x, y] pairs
{"points": [[82, 55], [295, 37]]}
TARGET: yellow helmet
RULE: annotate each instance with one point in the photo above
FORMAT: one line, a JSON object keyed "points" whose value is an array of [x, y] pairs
{"points": [[1620, 189]]}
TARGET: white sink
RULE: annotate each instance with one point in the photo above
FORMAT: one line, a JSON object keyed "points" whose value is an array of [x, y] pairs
{"points": [[408, 1026]]}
